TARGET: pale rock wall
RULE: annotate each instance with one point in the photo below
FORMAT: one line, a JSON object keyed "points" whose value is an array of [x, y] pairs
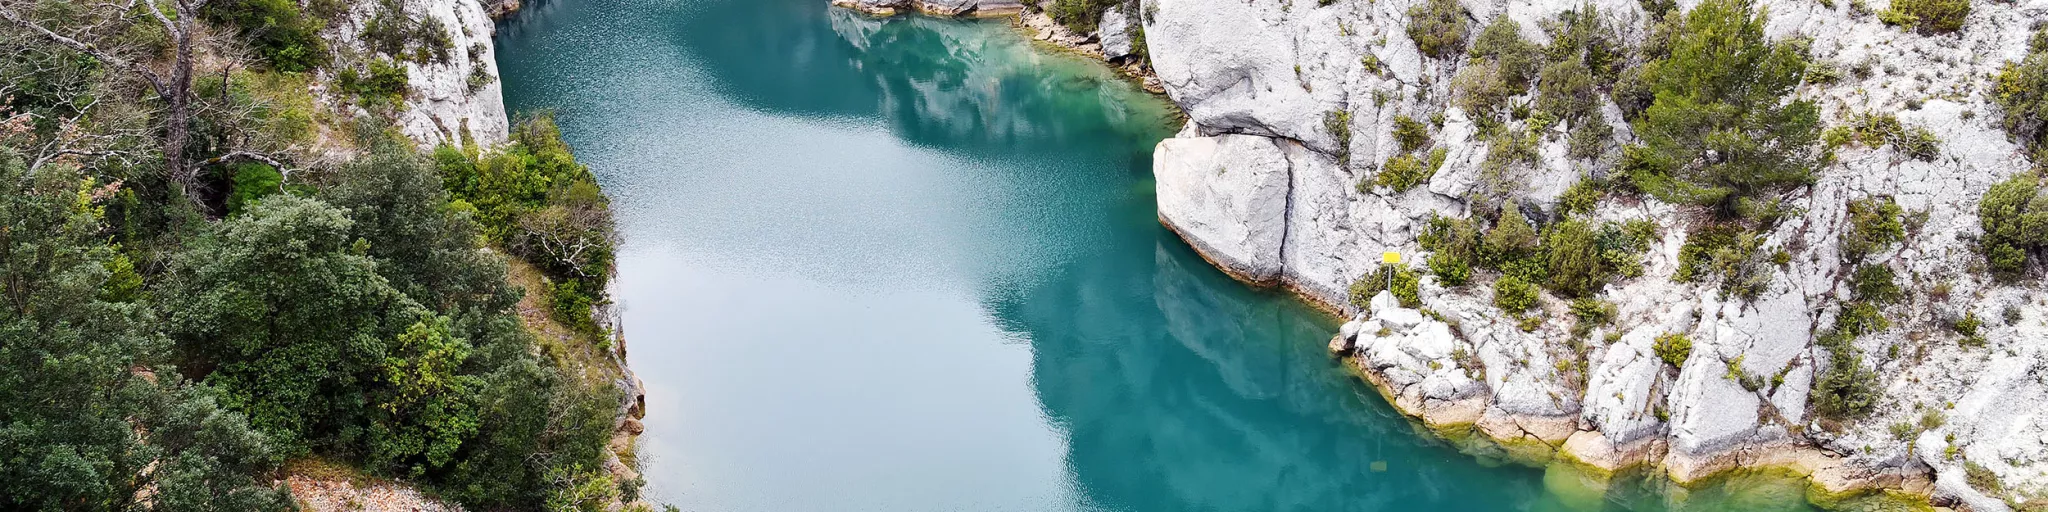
{"points": [[1257, 78], [440, 106]]}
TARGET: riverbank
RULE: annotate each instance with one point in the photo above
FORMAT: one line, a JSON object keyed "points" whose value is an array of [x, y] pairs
{"points": [[1116, 48]]}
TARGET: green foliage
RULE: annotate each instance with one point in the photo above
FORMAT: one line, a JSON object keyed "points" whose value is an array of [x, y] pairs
{"points": [[2021, 91], [1968, 325], [1080, 16], [1566, 89], [1512, 237], [74, 332], [1845, 389], [1338, 124], [1920, 144], [382, 82], [1451, 269], [1876, 284], [1593, 312], [1720, 128], [251, 181], [1502, 43], [395, 33], [1438, 28], [1574, 259], [287, 39], [1927, 16], [534, 198], [1407, 287], [1403, 172], [1726, 252], [1673, 348], [1873, 226], [1513, 295], [1482, 91], [1580, 199], [2014, 217], [1411, 134]]}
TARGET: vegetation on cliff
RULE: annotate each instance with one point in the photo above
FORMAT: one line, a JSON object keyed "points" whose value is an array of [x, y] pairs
{"points": [[205, 277]]}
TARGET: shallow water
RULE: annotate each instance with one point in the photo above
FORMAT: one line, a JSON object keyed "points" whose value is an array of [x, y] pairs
{"points": [[915, 265]]}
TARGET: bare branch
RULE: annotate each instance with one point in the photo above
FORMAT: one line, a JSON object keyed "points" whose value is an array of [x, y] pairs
{"points": [[155, 81]]}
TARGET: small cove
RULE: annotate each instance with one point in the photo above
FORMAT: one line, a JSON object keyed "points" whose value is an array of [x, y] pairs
{"points": [[914, 264]]}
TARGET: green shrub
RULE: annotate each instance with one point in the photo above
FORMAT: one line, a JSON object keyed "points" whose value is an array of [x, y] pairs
{"points": [[1845, 389], [1968, 325], [1876, 283], [1438, 28], [1338, 124], [1859, 318], [1727, 252], [1723, 76], [2021, 92], [1403, 172], [1080, 16], [395, 33], [1513, 295], [1927, 16], [1407, 287], [1512, 237], [287, 39], [1567, 90], [1673, 348], [1453, 270], [1574, 259], [1920, 144], [1411, 134], [1593, 311], [1502, 43], [1480, 89], [1873, 226], [383, 82], [1589, 138], [1580, 199], [2014, 217]]}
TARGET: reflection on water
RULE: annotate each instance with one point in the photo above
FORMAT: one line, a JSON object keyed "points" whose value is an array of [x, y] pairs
{"points": [[914, 265]]}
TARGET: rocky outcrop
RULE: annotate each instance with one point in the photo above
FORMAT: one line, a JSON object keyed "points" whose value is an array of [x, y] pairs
{"points": [[455, 102], [1261, 184], [949, 8]]}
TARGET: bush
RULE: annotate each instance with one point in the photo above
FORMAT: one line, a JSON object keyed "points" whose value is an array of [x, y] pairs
{"points": [[1407, 287], [1593, 311], [1502, 43], [1927, 16], [1873, 226], [1580, 199], [1512, 237], [2014, 217], [1513, 295], [1338, 124], [1567, 91], [1453, 270], [1876, 284], [287, 39], [1721, 77], [2021, 91], [1438, 28], [1080, 16], [1920, 144], [1411, 134], [1481, 90], [383, 82], [1404, 172], [1726, 252], [1574, 259], [1673, 348]]}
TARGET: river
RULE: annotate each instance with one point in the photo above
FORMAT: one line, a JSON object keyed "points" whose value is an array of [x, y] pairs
{"points": [[915, 265]]}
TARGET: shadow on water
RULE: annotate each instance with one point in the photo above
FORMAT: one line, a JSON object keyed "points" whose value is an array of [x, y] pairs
{"points": [[816, 199]]}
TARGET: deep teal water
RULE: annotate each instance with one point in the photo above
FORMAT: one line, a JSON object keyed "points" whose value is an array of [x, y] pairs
{"points": [[915, 265]]}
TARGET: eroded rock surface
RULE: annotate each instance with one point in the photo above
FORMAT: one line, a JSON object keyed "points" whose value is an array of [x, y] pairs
{"points": [[1262, 183]]}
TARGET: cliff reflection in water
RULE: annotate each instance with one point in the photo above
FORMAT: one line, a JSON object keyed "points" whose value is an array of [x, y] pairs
{"points": [[939, 83]]}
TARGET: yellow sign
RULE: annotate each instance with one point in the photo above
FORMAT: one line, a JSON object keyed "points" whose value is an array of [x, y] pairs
{"points": [[1390, 257]]}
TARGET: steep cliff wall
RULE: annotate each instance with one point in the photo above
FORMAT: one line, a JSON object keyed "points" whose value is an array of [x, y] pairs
{"points": [[1292, 104]]}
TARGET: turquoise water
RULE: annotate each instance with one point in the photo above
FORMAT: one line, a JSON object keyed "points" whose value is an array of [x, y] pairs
{"points": [[915, 265]]}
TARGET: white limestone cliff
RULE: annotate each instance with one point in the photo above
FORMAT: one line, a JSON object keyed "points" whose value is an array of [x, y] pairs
{"points": [[1254, 183]]}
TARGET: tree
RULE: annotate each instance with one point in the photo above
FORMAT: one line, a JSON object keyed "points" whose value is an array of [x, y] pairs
{"points": [[290, 319], [1720, 129], [105, 37], [91, 417]]}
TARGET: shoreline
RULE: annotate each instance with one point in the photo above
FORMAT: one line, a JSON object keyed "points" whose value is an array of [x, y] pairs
{"points": [[1035, 25]]}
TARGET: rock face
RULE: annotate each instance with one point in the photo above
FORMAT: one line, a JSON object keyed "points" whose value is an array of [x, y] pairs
{"points": [[454, 102], [976, 8], [1263, 183]]}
